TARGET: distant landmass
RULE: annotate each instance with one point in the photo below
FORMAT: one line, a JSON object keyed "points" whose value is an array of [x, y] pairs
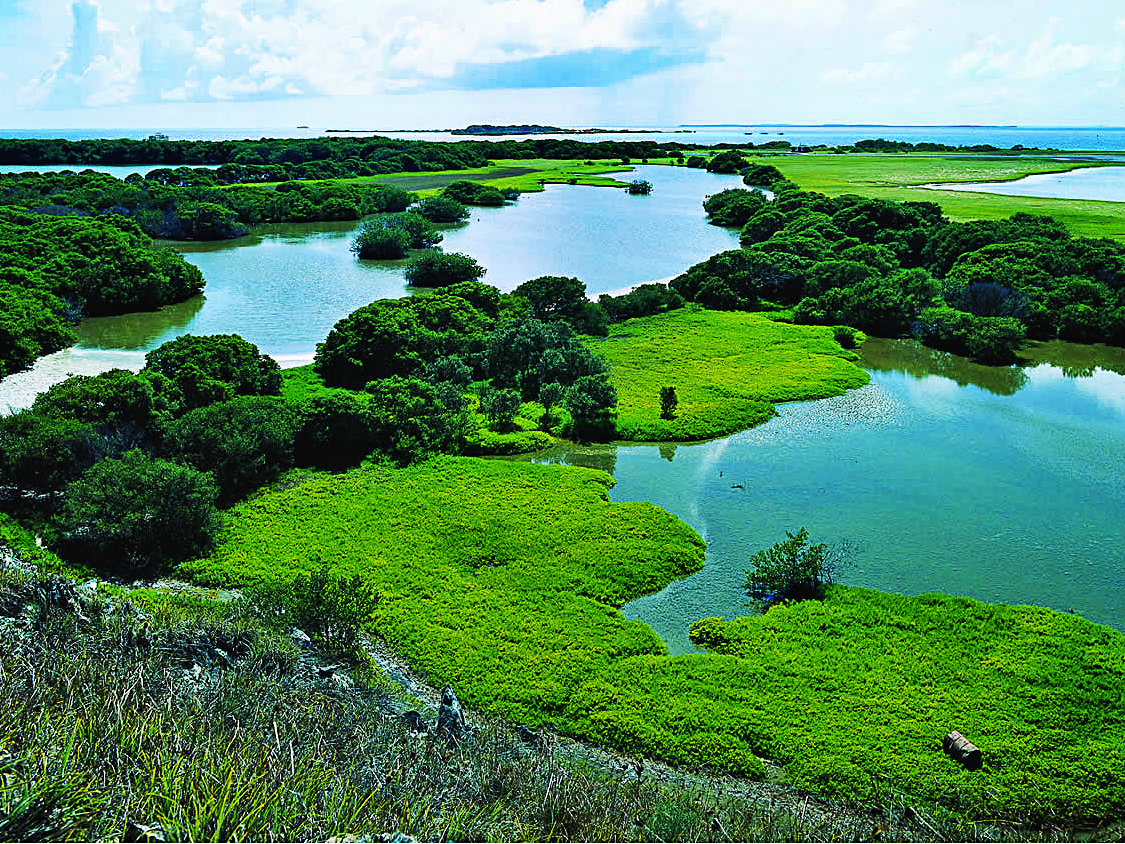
{"points": [[537, 129]]}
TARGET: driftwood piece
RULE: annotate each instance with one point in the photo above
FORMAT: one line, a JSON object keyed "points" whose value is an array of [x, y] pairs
{"points": [[960, 749]]}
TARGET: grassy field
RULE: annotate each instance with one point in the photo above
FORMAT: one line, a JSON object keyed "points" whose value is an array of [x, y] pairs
{"points": [[503, 579], [158, 715], [526, 175], [896, 177], [728, 369]]}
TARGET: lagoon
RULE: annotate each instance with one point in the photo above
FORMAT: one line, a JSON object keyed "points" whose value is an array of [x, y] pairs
{"points": [[1106, 184], [285, 286], [1004, 484]]}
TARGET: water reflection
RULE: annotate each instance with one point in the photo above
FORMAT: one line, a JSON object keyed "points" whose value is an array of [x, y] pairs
{"points": [[668, 451], [913, 358], [1076, 360], [137, 330], [599, 456]]}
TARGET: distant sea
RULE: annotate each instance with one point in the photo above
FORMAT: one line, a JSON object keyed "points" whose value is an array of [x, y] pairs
{"points": [[1090, 138]]}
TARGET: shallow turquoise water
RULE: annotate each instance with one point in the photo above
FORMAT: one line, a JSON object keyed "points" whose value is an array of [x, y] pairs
{"points": [[940, 487], [1101, 183]]}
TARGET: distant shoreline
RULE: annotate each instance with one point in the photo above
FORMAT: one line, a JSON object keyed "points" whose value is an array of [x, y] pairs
{"points": [[530, 129]]}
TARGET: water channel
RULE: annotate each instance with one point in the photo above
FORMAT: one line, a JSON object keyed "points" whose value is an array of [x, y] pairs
{"points": [[285, 286], [1101, 183], [1004, 484]]}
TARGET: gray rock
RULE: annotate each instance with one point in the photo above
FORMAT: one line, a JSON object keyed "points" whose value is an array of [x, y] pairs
{"points": [[414, 721], [451, 718], [530, 736], [300, 638], [139, 833]]}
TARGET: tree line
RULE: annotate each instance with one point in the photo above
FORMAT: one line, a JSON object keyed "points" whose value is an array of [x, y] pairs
{"points": [[189, 211], [900, 268], [356, 156], [54, 270]]}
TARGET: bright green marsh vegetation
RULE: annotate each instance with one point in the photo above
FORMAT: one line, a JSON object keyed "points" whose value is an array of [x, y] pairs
{"points": [[729, 368], [899, 177], [503, 580]]}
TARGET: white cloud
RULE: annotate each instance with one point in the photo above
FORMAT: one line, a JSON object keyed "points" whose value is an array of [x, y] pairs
{"points": [[985, 57], [1046, 58], [786, 61], [110, 79], [902, 40], [870, 71]]}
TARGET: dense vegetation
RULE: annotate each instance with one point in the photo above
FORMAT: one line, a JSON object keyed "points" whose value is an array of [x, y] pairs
{"points": [[518, 611], [869, 681], [317, 158], [465, 334], [124, 470], [54, 270], [728, 370], [389, 236], [188, 205], [894, 268]]}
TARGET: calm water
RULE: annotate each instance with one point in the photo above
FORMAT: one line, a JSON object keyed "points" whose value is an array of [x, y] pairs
{"points": [[1055, 137], [286, 286], [1105, 183], [1005, 485], [605, 237]]}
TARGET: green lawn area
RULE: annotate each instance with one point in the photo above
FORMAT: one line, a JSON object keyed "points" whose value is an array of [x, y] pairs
{"points": [[729, 368], [526, 175], [503, 579], [896, 176]]}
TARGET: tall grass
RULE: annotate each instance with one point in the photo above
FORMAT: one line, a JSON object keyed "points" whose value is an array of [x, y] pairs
{"points": [[114, 730]]}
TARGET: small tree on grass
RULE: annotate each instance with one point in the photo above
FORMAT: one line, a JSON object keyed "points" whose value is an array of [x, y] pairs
{"points": [[331, 607], [793, 570], [501, 407], [668, 402], [549, 396]]}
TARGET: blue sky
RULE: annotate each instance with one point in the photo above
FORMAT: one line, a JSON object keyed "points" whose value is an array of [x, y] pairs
{"points": [[444, 63]]}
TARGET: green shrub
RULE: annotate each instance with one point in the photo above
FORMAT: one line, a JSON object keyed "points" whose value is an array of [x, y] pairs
{"points": [[326, 606], [244, 443], [215, 368], [500, 406], [791, 570], [847, 337], [442, 209], [473, 193], [441, 269], [135, 512], [336, 431]]}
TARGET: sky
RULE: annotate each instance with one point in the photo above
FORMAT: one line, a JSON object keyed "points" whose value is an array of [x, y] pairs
{"points": [[400, 64]]}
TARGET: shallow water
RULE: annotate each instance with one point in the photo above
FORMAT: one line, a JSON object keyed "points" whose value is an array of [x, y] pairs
{"points": [[1100, 183], [1004, 488], [284, 287]]}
